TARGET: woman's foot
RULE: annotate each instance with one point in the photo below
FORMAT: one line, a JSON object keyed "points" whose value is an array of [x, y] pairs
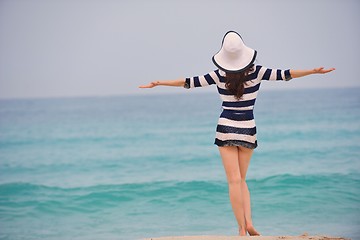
{"points": [[252, 231], [242, 231]]}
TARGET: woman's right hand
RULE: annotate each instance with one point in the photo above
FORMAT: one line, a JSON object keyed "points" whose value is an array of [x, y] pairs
{"points": [[321, 70], [302, 73]]}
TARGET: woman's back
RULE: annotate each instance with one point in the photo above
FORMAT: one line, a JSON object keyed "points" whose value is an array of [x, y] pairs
{"points": [[251, 86]]}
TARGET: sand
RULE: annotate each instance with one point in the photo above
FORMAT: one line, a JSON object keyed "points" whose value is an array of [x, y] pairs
{"points": [[302, 237]]}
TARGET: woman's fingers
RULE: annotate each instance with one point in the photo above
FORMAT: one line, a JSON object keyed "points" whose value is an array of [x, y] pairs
{"points": [[322, 70], [150, 85]]}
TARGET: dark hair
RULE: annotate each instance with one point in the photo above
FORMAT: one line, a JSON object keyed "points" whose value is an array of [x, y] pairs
{"points": [[235, 81]]}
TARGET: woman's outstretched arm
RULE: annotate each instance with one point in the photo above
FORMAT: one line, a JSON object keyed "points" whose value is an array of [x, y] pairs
{"points": [[171, 83], [302, 73]]}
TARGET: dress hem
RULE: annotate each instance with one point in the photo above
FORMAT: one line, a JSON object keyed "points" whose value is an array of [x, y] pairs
{"points": [[235, 143]]}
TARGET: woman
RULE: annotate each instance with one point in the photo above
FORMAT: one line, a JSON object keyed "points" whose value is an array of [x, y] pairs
{"points": [[238, 81]]}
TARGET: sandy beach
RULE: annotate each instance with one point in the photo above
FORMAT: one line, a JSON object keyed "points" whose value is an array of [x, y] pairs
{"points": [[302, 237]]}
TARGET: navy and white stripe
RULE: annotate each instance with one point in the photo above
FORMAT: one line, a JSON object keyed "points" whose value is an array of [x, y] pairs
{"points": [[236, 125]]}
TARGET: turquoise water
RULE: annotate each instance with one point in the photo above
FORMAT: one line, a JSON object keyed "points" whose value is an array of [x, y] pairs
{"points": [[131, 167]]}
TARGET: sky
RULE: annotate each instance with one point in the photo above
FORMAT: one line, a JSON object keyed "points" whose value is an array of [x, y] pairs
{"points": [[53, 48]]}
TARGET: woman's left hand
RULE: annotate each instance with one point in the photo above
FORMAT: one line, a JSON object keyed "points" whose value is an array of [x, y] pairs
{"points": [[150, 85]]}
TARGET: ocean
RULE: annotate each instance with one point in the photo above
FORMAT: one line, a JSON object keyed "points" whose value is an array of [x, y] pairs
{"points": [[141, 166]]}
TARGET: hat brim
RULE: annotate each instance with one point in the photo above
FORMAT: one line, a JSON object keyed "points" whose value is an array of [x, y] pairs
{"points": [[230, 66]]}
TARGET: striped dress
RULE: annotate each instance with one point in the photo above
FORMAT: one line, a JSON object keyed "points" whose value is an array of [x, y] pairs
{"points": [[236, 125]]}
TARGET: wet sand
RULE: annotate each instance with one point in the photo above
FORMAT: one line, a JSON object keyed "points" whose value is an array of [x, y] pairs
{"points": [[302, 237]]}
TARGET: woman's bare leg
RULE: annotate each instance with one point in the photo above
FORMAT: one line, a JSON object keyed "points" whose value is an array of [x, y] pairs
{"points": [[230, 161], [244, 161]]}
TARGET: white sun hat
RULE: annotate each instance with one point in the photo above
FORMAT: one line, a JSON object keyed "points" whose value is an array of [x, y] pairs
{"points": [[234, 56]]}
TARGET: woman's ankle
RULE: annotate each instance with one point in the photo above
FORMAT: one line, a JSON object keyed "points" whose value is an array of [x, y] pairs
{"points": [[252, 231], [249, 225], [242, 231]]}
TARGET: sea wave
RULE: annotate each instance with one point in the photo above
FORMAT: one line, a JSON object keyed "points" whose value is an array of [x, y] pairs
{"points": [[276, 189]]}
